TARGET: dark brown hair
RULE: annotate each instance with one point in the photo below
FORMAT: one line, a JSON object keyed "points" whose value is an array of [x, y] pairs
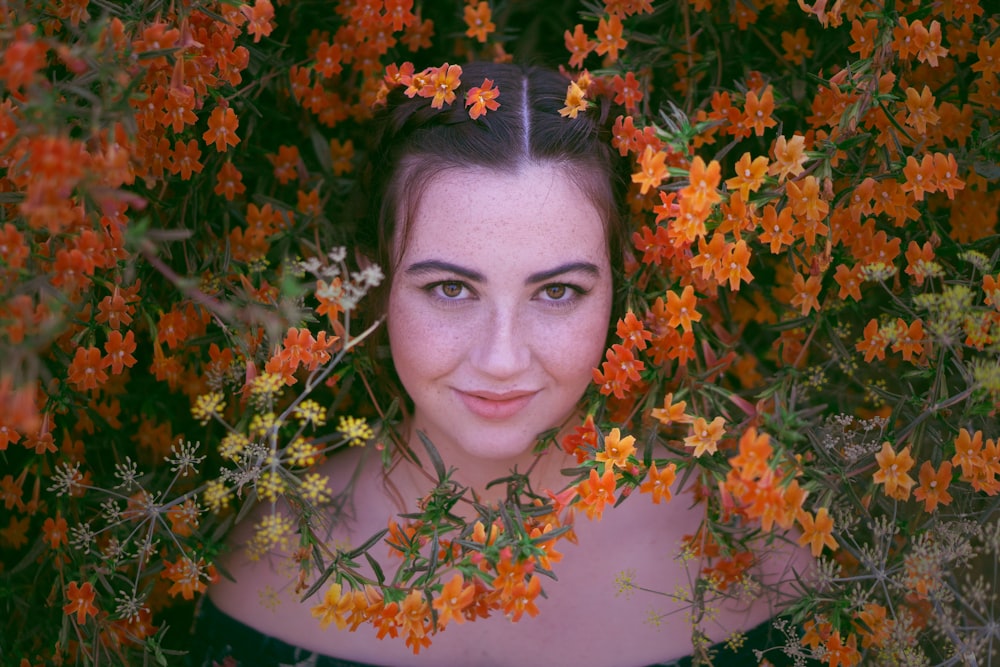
{"points": [[413, 142]]}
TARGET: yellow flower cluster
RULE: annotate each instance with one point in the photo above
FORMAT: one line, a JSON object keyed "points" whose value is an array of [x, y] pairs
{"points": [[356, 431]]}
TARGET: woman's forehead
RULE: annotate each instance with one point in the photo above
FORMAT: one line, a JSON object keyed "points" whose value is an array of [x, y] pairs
{"points": [[537, 209]]}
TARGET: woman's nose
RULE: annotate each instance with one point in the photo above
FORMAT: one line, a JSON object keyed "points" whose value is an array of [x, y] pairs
{"points": [[502, 349]]}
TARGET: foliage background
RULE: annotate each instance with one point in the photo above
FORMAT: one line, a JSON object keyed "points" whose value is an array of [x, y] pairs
{"points": [[166, 168]]}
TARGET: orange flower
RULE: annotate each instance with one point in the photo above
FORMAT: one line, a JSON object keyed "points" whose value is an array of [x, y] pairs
{"points": [[758, 112], [789, 156], [81, 601], [804, 197], [336, 603], [864, 35], [931, 49], [418, 36], [658, 483], [342, 156], [892, 471], [988, 58], [703, 180], [596, 491], [652, 169], [609, 37], [521, 599], [328, 57], [260, 19], [874, 628], [54, 531], [620, 369], [183, 518], [754, 453], [908, 339], [187, 575], [991, 288], [443, 82], [184, 159], [627, 91], [839, 654], [908, 39], [632, 332], [15, 535], [946, 174], [933, 489], [806, 293], [452, 601], [849, 281], [285, 163], [221, 130], [229, 182], [179, 109], [616, 450], [578, 45], [682, 309], [817, 532], [968, 452], [710, 255], [479, 21], [119, 351], [921, 109], [796, 46], [777, 228], [576, 101], [920, 176], [671, 413], [734, 265], [399, 14], [749, 175], [482, 98], [87, 370], [705, 436], [114, 311], [21, 61]]}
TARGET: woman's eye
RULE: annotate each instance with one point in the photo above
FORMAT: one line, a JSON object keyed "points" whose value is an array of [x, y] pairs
{"points": [[560, 294], [556, 292], [451, 289]]}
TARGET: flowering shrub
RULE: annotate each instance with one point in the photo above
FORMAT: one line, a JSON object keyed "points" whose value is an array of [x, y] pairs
{"points": [[812, 327]]}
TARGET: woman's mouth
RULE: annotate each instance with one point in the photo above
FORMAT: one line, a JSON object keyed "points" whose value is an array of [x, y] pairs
{"points": [[495, 406]]}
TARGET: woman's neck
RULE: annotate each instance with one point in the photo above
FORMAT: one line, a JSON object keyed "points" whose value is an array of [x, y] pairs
{"points": [[481, 477]]}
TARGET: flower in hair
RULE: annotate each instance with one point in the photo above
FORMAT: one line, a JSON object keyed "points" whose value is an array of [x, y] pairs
{"points": [[576, 101], [482, 98], [443, 82]]}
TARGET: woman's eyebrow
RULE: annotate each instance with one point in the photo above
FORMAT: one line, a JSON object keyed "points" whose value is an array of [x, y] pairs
{"points": [[435, 265], [542, 276], [432, 265]]}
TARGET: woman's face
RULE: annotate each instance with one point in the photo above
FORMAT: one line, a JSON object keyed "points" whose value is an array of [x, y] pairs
{"points": [[499, 307]]}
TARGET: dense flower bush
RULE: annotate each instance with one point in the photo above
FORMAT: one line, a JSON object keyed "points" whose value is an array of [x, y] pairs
{"points": [[812, 326]]}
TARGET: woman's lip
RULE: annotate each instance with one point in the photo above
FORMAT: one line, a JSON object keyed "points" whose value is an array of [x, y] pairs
{"points": [[491, 405]]}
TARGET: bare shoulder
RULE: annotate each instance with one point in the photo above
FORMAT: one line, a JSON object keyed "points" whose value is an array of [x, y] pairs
{"points": [[256, 568]]}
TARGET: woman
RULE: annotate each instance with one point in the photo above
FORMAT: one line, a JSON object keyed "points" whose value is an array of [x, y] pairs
{"points": [[502, 242]]}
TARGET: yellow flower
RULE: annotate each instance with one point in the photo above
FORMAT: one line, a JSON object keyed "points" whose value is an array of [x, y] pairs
{"points": [[332, 608], [310, 412], [355, 431], [208, 406], [576, 101]]}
